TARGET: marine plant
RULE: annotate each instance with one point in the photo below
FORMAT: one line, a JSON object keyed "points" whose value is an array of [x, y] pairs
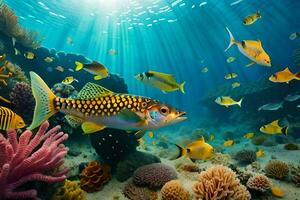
{"points": [[154, 176], [133, 192], [259, 183], [25, 159], [94, 176], [245, 156], [16, 71], [69, 191], [173, 190], [291, 146], [219, 183], [277, 169]]}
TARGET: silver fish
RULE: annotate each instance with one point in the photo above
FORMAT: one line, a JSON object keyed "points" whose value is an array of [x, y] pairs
{"points": [[292, 97], [271, 106]]}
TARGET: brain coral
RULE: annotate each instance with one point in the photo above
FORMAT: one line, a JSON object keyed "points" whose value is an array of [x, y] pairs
{"points": [[94, 176], [173, 190], [245, 156], [259, 183], [219, 183], [154, 176], [277, 169], [133, 192]]}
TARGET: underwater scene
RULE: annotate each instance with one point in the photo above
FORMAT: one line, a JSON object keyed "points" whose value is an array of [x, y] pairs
{"points": [[150, 99]]}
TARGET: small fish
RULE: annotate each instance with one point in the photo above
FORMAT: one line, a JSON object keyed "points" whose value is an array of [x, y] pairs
{"points": [[2, 57], [284, 76], [29, 55], [295, 35], [260, 153], [277, 191], [274, 128], [202, 3], [112, 52], [60, 68], [250, 19], [204, 70], [211, 137], [292, 98], [271, 106], [151, 134], [70, 41], [249, 135], [71, 70], [228, 143], [230, 59], [49, 59], [95, 68], [13, 39], [162, 81], [228, 101], [251, 49], [69, 80], [230, 76], [197, 150], [235, 84], [17, 52], [10, 120]]}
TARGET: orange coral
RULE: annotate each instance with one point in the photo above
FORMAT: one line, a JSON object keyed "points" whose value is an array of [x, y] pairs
{"points": [[94, 176], [173, 190]]}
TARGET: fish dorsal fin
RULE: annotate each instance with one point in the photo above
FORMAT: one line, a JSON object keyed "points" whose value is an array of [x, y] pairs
{"points": [[287, 70], [201, 140], [163, 75], [275, 123], [92, 90]]}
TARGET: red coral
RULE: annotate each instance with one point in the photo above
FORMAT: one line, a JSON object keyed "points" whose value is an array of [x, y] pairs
{"points": [[22, 160]]}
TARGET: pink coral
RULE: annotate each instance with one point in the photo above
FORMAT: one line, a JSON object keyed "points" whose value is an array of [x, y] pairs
{"points": [[24, 159]]}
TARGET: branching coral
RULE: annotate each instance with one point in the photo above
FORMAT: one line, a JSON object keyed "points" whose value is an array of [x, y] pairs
{"points": [[245, 156], [173, 190], [133, 192], [154, 176], [94, 176], [259, 183], [277, 169], [69, 191], [26, 159], [219, 182]]}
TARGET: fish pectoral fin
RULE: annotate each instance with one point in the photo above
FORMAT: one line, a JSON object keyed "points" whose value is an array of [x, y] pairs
{"points": [[131, 116], [139, 134], [250, 64], [98, 77], [90, 127], [73, 121]]}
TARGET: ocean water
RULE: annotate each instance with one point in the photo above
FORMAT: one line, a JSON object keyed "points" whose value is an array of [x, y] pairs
{"points": [[178, 37]]}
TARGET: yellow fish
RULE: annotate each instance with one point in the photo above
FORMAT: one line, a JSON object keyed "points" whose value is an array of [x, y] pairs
{"points": [[49, 59], [235, 84], [228, 101], [29, 55], [250, 19], [228, 143], [10, 120], [230, 75], [230, 59], [2, 57], [151, 134], [260, 153], [204, 70], [95, 68], [284, 76], [164, 82], [197, 150], [274, 128], [69, 80], [251, 49], [249, 135]]}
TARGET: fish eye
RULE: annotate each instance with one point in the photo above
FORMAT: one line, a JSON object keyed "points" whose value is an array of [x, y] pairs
{"points": [[164, 110]]}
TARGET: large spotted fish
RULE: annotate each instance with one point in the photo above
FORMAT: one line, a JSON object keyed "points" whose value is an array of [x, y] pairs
{"points": [[97, 107]]}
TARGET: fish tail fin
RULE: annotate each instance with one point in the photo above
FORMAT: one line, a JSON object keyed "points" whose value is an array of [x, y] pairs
{"points": [[182, 151], [44, 101], [182, 87], [284, 130], [297, 75], [79, 65], [232, 41], [240, 102]]}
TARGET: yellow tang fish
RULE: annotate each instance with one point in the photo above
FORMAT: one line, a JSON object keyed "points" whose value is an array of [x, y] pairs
{"points": [[260, 153], [10, 120], [251, 49], [96, 108], [228, 101], [250, 19], [228, 143], [197, 150], [230, 59], [94, 68], [284, 76], [49, 59], [163, 81], [249, 135], [235, 84], [230, 75], [69, 80], [274, 128], [29, 55]]}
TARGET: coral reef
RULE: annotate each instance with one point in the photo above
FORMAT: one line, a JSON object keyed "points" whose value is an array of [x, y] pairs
{"points": [[94, 176], [259, 183], [245, 156], [63, 90], [291, 146], [173, 190], [189, 168], [126, 167], [133, 192], [219, 182], [277, 169], [259, 140], [16, 71], [221, 159], [154, 176], [243, 175], [69, 191], [4, 76], [22, 100], [26, 159]]}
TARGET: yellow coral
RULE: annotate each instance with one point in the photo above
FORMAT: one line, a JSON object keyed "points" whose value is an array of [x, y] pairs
{"points": [[173, 190], [69, 191]]}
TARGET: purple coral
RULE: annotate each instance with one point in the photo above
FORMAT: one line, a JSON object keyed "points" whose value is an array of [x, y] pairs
{"points": [[154, 176], [24, 159]]}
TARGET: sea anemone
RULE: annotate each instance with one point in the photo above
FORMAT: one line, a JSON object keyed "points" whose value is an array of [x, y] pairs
{"points": [[259, 183], [291, 146], [173, 190], [245, 156], [277, 169]]}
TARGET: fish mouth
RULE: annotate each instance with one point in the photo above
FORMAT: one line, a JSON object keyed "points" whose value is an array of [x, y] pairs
{"points": [[180, 117]]}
